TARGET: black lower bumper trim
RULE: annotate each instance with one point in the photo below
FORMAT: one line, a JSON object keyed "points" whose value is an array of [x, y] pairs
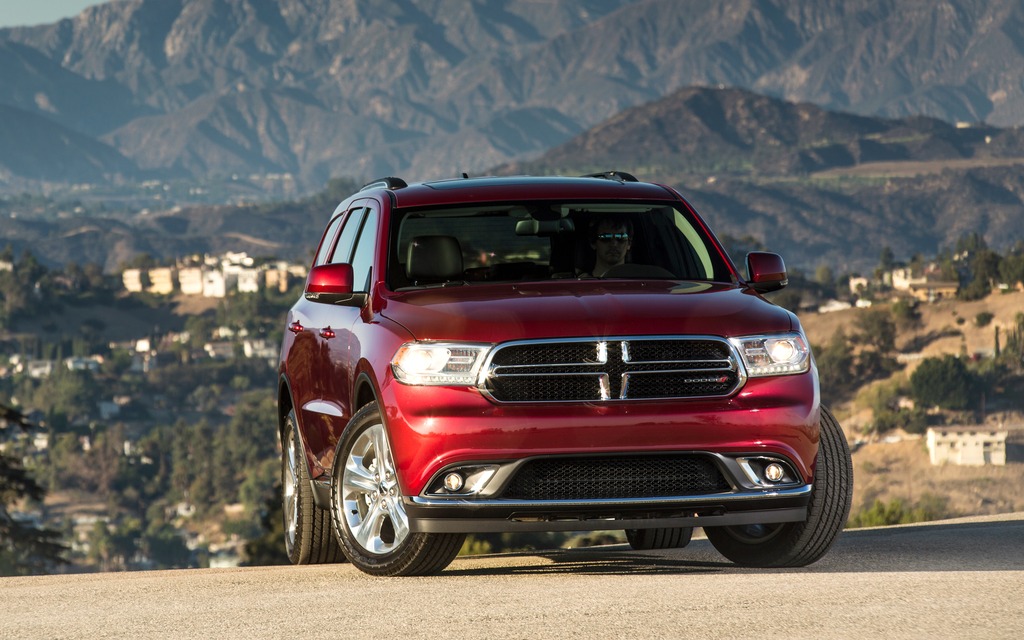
{"points": [[695, 519], [493, 516]]}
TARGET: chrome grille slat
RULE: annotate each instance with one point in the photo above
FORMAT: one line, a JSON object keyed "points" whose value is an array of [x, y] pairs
{"points": [[612, 369]]}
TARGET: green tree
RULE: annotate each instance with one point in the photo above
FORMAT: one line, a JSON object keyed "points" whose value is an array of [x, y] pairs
{"points": [[943, 382], [24, 548], [268, 549], [886, 262], [67, 393], [165, 546], [905, 313], [876, 335], [1011, 269], [971, 243], [1013, 353], [825, 277], [876, 329], [835, 362], [984, 268]]}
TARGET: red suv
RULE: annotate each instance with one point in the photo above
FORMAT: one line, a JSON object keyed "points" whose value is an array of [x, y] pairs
{"points": [[543, 354]]}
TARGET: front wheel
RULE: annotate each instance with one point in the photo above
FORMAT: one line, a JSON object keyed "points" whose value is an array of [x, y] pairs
{"points": [[797, 544], [369, 515]]}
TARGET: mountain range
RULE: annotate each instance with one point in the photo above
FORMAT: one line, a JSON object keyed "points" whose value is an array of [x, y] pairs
{"points": [[136, 89], [820, 187]]}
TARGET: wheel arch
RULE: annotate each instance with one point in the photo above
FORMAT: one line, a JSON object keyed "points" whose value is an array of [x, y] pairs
{"points": [[285, 405], [364, 392]]}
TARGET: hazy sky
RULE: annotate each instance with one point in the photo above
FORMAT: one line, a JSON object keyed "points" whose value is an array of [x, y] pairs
{"points": [[16, 13]]}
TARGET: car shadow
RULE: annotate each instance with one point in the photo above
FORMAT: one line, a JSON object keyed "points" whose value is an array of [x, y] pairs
{"points": [[981, 546]]}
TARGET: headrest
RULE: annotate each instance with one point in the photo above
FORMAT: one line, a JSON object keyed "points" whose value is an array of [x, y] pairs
{"points": [[434, 259]]}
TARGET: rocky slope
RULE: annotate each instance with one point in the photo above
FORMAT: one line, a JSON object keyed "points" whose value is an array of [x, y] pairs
{"points": [[321, 88]]}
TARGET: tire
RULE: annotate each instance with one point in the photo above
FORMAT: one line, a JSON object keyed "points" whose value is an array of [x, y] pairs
{"points": [[308, 537], [798, 544], [646, 539], [369, 517]]}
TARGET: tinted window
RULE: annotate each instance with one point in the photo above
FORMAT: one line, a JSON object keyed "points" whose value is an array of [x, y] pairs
{"points": [[343, 252], [504, 242], [362, 261], [327, 242]]}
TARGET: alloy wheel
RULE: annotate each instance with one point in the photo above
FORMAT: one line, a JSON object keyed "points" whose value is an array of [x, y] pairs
{"points": [[373, 509]]}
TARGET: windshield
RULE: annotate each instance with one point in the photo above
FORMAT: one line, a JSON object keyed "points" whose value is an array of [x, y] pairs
{"points": [[529, 241]]}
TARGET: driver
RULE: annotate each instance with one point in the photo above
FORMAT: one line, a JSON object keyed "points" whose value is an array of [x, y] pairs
{"points": [[611, 238]]}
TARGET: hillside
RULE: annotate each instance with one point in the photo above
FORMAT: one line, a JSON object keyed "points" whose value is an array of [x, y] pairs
{"points": [[817, 186], [696, 132], [360, 88], [895, 466], [58, 154]]}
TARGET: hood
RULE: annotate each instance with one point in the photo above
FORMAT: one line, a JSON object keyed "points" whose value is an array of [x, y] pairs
{"points": [[497, 313]]}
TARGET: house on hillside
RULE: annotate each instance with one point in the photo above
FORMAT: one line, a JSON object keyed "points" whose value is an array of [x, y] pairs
{"points": [[161, 281], [975, 445], [903, 278], [214, 284], [248, 280], [132, 280], [190, 281], [934, 290]]}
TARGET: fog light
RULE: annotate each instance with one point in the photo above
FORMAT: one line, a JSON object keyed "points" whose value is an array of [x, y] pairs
{"points": [[774, 472], [453, 482]]}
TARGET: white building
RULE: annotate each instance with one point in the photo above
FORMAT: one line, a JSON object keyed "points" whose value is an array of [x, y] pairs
{"points": [[967, 446], [161, 281], [215, 285], [260, 349], [92, 363], [39, 369], [248, 280], [190, 281], [834, 305], [132, 280]]}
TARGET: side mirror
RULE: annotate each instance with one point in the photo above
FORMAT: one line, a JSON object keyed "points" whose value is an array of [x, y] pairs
{"points": [[330, 283], [766, 271]]}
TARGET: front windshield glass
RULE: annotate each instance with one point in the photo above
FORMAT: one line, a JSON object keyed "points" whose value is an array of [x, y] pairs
{"points": [[530, 241]]}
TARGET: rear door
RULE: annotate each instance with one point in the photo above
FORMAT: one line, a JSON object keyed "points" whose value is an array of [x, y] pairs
{"points": [[316, 325]]}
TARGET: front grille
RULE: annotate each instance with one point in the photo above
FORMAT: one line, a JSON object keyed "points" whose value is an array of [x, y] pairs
{"points": [[612, 369], [650, 476]]}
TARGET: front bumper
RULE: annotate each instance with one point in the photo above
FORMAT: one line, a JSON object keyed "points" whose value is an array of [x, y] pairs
{"points": [[434, 428], [444, 515]]}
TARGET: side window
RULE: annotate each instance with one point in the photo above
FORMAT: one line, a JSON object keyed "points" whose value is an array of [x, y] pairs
{"points": [[362, 261], [328, 241], [343, 251]]}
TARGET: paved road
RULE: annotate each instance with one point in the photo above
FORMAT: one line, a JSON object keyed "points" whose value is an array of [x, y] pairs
{"points": [[955, 579]]}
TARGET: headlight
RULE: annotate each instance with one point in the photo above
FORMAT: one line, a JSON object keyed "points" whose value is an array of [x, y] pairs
{"points": [[775, 355], [439, 363]]}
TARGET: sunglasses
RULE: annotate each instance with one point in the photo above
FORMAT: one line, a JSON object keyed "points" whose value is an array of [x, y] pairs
{"points": [[608, 237]]}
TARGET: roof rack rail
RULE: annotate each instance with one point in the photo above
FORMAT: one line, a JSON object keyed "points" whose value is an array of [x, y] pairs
{"points": [[619, 176], [389, 182]]}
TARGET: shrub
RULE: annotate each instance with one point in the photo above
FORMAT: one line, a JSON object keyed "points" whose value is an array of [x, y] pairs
{"points": [[929, 507]]}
